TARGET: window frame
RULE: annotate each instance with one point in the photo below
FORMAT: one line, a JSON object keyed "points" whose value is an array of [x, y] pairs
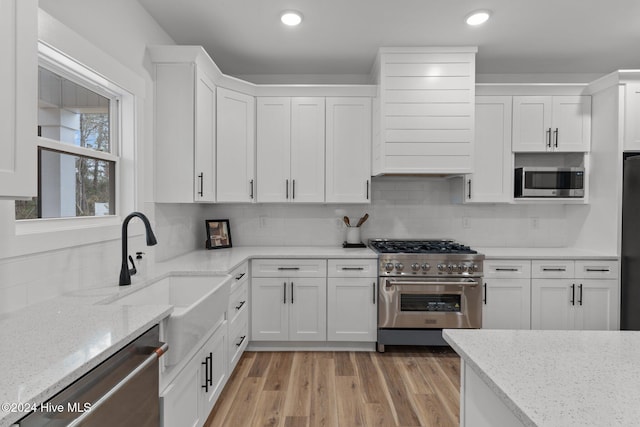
{"points": [[124, 135]]}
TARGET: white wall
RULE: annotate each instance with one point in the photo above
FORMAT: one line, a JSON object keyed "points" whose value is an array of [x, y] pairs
{"points": [[400, 208], [28, 274]]}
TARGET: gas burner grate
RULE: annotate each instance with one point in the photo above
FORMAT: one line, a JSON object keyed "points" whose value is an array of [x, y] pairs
{"points": [[421, 247]]}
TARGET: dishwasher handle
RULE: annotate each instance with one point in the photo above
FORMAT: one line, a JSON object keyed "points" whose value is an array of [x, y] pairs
{"points": [[148, 361]]}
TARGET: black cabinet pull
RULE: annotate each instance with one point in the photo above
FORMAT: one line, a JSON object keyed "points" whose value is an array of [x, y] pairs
{"points": [[210, 369], [288, 268], [251, 194], [238, 307], [556, 137], [293, 189], [240, 276], [241, 341], [206, 373], [367, 189], [374, 293], [506, 269], [580, 294], [601, 270], [484, 299], [469, 194], [549, 137], [353, 268], [554, 269], [286, 189], [201, 177], [573, 294], [284, 290], [291, 292]]}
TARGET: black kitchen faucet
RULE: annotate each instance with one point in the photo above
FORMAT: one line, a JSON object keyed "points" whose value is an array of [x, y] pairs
{"points": [[125, 273]]}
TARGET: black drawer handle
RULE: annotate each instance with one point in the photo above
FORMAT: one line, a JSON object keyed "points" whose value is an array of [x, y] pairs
{"points": [[573, 294], [580, 294], [207, 374], [484, 300], [241, 341], [506, 269], [289, 268], [238, 307], [601, 270], [554, 269], [240, 276], [353, 268]]}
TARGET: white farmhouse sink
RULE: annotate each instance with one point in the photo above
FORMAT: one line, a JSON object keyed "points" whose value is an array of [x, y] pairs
{"points": [[199, 304]]}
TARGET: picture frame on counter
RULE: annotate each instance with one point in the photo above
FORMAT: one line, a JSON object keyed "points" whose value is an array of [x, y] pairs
{"points": [[218, 233]]}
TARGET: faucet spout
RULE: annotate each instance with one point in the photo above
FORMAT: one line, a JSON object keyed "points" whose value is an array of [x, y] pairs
{"points": [[125, 274]]}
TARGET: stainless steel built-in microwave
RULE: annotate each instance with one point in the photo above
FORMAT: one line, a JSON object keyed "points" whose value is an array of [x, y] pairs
{"points": [[549, 182]]}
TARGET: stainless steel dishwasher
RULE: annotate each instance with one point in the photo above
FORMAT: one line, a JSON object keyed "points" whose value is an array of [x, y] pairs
{"points": [[121, 391]]}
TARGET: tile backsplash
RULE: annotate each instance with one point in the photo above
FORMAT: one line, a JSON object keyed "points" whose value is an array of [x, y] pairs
{"points": [[401, 208]]}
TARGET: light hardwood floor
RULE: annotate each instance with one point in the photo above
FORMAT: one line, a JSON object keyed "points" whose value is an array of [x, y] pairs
{"points": [[402, 387]]}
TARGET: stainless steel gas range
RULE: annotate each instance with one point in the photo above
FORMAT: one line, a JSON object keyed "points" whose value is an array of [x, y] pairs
{"points": [[425, 286]]}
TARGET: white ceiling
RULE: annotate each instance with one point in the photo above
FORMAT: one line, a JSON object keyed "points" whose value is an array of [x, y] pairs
{"points": [[342, 36]]}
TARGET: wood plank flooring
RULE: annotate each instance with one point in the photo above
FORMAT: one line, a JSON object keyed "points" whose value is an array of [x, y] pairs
{"points": [[404, 386]]}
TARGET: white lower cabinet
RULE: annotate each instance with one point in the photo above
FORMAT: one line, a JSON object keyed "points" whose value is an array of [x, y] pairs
{"points": [[506, 299], [288, 309], [352, 298], [189, 398], [588, 300]]}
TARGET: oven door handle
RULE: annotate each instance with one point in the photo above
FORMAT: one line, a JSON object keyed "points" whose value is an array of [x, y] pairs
{"points": [[469, 283]]}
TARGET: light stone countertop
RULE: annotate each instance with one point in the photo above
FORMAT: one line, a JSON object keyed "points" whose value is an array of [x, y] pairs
{"points": [[558, 378], [45, 347]]}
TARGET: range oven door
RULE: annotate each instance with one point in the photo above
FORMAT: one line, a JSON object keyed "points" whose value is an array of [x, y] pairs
{"points": [[430, 303]]}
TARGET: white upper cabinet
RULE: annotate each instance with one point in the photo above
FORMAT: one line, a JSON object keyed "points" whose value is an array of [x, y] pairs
{"points": [[18, 98], [491, 181], [426, 113], [290, 149], [307, 149], [235, 147], [348, 139], [184, 133], [551, 123], [632, 117]]}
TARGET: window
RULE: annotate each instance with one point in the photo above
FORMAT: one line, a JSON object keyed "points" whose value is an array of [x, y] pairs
{"points": [[77, 156]]}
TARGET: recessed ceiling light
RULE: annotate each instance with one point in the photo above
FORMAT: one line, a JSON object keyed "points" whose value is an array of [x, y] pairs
{"points": [[291, 18], [478, 17]]}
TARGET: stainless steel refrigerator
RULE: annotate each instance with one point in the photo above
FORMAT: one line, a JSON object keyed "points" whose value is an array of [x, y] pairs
{"points": [[630, 265]]}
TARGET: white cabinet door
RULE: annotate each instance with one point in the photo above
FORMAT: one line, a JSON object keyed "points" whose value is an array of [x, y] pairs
{"points": [[551, 123], [18, 98], [597, 305], [308, 309], [307, 149], [632, 117], [269, 309], [351, 309], [213, 369], [532, 123], [507, 304], [180, 401], [273, 133], [571, 123], [348, 135], [235, 146], [205, 139], [492, 176], [551, 304]]}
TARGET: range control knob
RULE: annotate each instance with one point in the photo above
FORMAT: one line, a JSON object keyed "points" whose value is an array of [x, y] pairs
{"points": [[415, 266], [461, 268], [399, 266], [441, 267], [425, 267], [473, 267], [388, 266], [451, 268]]}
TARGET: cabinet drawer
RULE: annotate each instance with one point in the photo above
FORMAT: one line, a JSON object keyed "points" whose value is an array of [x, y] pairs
{"points": [[514, 269], [597, 269], [238, 339], [240, 276], [352, 267], [543, 269], [289, 268], [238, 302]]}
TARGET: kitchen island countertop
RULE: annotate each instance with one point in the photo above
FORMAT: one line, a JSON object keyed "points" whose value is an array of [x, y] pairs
{"points": [[557, 378]]}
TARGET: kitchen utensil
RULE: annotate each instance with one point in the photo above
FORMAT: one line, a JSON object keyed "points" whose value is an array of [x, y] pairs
{"points": [[346, 221], [362, 220], [353, 235]]}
